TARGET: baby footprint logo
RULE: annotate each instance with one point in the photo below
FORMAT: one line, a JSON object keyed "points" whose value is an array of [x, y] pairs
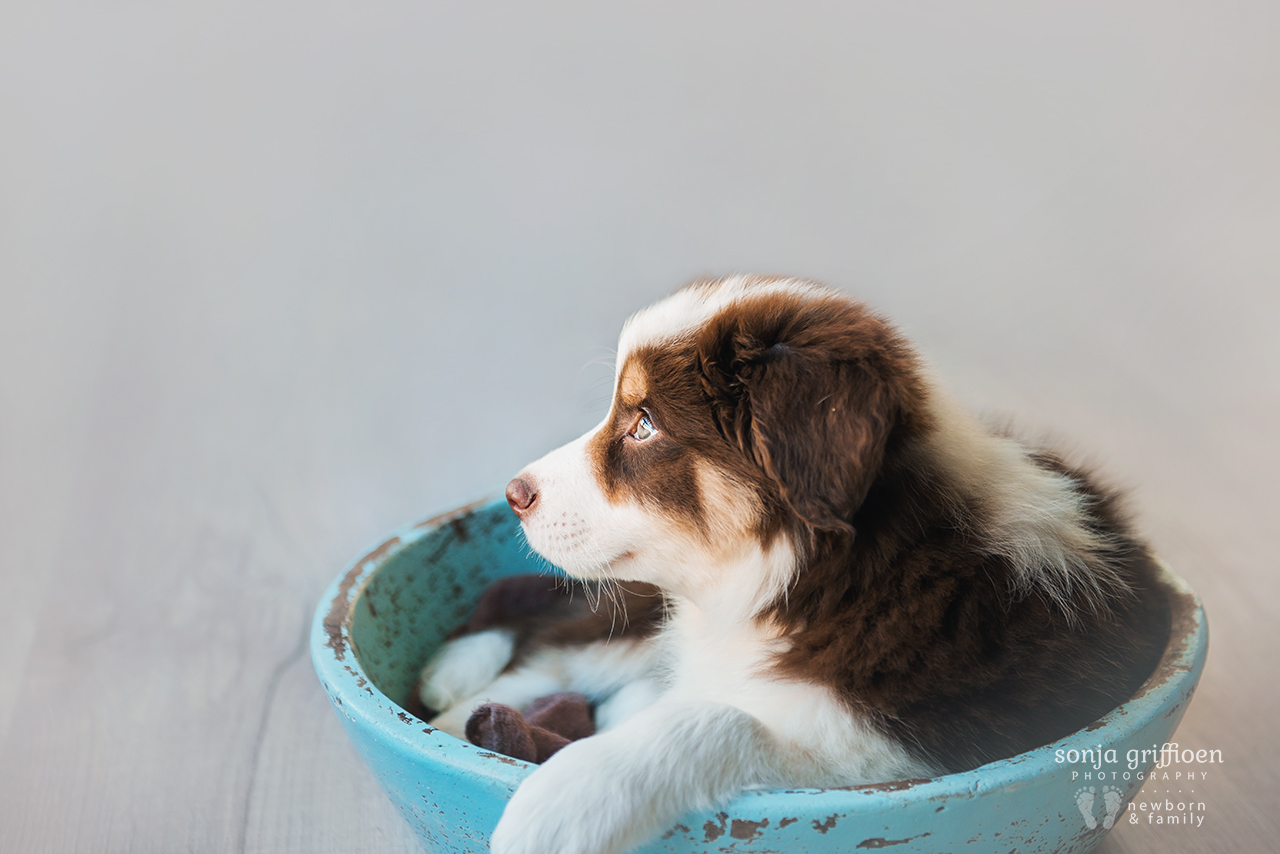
{"points": [[1110, 800], [1084, 800]]}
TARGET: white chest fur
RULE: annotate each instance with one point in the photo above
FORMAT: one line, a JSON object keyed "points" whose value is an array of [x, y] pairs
{"points": [[730, 661]]}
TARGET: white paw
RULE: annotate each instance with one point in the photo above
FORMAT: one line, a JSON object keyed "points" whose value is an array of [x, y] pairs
{"points": [[573, 804], [464, 667]]}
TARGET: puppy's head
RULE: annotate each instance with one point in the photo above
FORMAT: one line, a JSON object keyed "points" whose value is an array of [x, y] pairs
{"points": [[747, 414]]}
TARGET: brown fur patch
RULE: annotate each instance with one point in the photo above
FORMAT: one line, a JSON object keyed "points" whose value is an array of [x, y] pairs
{"points": [[812, 389]]}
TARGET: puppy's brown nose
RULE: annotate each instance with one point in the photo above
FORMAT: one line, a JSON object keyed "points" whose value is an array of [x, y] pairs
{"points": [[522, 496]]}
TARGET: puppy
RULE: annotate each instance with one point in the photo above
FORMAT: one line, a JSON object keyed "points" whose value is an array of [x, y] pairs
{"points": [[861, 582]]}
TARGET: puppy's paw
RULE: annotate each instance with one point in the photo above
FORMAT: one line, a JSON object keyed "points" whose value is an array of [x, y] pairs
{"points": [[463, 667], [573, 804]]}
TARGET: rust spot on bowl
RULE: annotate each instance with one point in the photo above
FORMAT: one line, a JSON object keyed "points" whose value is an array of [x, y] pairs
{"points": [[881, 842], [679, 828], [823, 827], [741, 829], [713, 831], [340, 609], [888, 786], [505, 760]]}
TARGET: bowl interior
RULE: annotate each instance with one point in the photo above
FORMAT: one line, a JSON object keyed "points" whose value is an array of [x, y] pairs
{"points": [[426, 588]]}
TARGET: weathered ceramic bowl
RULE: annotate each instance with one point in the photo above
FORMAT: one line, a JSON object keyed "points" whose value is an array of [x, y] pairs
{"points": [[381, 618]]}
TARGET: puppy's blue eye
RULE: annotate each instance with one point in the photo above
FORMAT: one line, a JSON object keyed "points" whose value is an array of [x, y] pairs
{"points": [[644, 428]]}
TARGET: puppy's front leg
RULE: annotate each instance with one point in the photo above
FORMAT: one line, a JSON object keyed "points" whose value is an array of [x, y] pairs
{"points": [[610, 792]]}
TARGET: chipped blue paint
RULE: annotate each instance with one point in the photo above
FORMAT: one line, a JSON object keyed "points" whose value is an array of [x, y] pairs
{"points": [[382, 616]]}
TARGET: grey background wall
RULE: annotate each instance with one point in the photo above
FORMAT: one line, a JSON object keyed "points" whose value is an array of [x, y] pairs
{"points": [[278, 277]]}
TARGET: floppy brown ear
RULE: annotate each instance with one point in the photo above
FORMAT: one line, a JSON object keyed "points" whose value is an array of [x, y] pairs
{"points": [[814, 417]]}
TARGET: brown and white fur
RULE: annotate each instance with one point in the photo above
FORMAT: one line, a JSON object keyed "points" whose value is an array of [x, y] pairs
{"points": [[862, 582]]}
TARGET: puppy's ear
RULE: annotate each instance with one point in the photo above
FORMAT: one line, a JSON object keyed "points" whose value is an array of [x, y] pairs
{"points": [[809, 402]]}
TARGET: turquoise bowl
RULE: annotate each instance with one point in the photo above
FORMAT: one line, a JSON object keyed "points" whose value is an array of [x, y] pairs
{"points": [[392, 607]]}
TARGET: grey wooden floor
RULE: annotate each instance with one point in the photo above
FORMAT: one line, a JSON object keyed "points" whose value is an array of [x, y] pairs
{"points": [[278, 277]]}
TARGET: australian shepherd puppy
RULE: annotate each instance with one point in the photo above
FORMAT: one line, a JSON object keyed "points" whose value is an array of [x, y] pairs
{"points": [[861, 582]]}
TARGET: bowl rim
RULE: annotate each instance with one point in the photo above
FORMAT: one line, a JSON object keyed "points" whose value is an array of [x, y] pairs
{"points": [[353, 694]]}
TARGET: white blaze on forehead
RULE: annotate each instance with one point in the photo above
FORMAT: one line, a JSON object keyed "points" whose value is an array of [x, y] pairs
{"points": [[689, 308]]}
